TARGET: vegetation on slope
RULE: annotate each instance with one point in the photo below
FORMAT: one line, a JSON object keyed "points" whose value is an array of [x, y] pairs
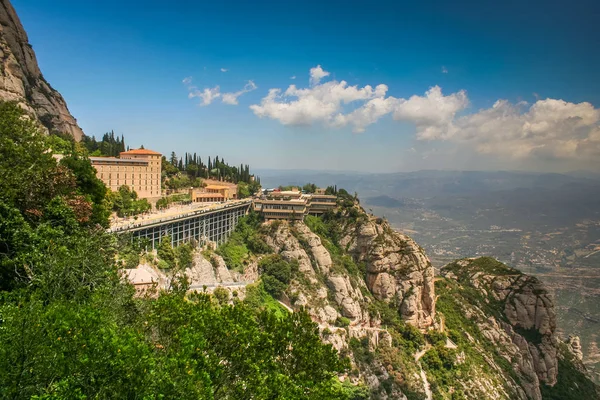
{"points": [[463, 307], [70, 327]]}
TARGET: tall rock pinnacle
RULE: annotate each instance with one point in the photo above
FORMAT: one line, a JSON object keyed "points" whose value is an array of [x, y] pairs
{"points": [[22, 81]]}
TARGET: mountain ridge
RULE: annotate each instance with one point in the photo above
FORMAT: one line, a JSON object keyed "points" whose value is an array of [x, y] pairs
{"points": [[22, 81]]}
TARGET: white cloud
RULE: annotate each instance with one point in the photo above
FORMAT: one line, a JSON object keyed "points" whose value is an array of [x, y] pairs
{"points": [[187, 80], [319, 103], [293, 77], [550, 128], [444, 70], [367, 114], [316, 74], [324, 103], [224, 70], [231, 98], [433, 113], [207, 95]]}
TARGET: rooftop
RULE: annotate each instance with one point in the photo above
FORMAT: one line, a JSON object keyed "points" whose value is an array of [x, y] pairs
{"points": [[216, 187], [117, 160], [142, 152]]}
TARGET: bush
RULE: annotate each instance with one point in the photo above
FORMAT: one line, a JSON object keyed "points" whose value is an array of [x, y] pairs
{"points": [[276, 274], [222, 295]]}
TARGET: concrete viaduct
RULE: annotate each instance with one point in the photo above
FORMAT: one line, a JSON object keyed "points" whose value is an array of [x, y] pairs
{"points": [[213, 223]]}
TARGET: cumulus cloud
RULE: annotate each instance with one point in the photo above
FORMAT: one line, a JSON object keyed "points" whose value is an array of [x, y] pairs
{"points": [[549, 129], [433, 113], [293, 77], [444, 70], [324, 103], [316, 74], [232, 98], [319, 103], [224, 70], [187, 80], [208, 95]]}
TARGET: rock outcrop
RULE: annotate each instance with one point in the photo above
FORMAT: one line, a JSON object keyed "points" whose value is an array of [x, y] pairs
{"points": [[398, 271], [517, 315], [22, 81]]}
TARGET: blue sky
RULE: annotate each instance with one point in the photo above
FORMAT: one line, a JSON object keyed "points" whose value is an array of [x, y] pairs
{"points": [[121, 65]]}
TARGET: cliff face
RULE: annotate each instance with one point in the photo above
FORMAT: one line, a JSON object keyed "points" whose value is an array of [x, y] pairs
{"points": [[514, 317], [21, 79], [398, 271], [481, 331]]}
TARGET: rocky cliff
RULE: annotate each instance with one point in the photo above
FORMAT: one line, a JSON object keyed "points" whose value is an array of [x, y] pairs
{"points": [[481, 331], [511, 316], [22, 81]]}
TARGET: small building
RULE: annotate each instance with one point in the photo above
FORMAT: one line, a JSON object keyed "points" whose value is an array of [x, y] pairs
{"points": [[281, 209], [321, 203], [143, 278], [140, 169], [293, 204], [214, 192]]}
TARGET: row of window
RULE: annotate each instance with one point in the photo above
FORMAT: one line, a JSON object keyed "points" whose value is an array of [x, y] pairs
{"points": [[282, 207]]}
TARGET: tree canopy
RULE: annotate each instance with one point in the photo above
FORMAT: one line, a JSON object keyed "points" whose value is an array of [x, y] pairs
{"points": [[70, 327]]}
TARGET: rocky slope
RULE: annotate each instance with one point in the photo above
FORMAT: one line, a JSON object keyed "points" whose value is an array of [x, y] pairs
{"points": [[482, 331], [510, 316], [22, 81]]}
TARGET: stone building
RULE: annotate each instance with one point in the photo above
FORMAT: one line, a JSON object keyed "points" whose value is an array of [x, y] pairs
{"points": [[214, 192], [140, 169]]}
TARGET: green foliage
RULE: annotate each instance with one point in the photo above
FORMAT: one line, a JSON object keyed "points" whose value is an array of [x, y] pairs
{"points": [[244, 241], [184, 254], [109, 146], [487, 265], [29, 176], [222, 295], [170, 347], [361, 352], [243, 190], [71, 328], [180, 198], [276, 274], [165, 252], [571, 383], [126, 203], [61, 143], [355, 392], [259, 299], [436, 338], [309, 188]]}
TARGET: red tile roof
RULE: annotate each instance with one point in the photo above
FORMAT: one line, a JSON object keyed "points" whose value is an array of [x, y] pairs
{"points": [[140, 152]]}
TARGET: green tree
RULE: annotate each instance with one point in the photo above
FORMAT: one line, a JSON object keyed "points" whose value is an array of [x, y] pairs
{"points": [[165, 251]]}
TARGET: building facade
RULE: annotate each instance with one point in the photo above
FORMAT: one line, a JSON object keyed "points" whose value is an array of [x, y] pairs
{"points": [[214, 192], [140, 169], [293, 205]]}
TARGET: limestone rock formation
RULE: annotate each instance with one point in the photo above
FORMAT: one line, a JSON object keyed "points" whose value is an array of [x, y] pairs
{"points": [[22, 81], [523, 320], [398, 271]]}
